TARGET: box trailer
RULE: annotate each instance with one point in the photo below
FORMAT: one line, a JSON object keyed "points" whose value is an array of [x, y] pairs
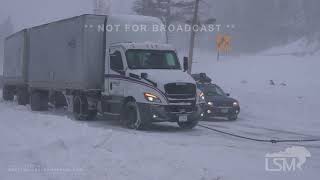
{"points": [[15, 77], [64, 55], [84, 65]]}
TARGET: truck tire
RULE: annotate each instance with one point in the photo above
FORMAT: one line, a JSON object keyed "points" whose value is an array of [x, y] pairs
{"points": [[188, 125], [132, 118], [7, 93], [23, 96], [39, 101], [59, 100], [81, 109]]}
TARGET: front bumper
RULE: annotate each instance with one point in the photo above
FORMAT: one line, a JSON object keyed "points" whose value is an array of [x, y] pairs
{"points": [[213, 111], [162, 113]]}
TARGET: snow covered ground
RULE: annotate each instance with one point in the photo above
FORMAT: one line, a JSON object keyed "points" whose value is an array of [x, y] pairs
{"points": [[291, 104], [54, 146], [301, 47]]}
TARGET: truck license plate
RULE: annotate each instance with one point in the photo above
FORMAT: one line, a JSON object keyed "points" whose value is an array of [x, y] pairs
{"points": [[183, 118]]}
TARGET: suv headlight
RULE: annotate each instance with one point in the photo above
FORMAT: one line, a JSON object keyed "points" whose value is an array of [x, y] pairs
{"points": [[201, 95], [201, 98], [235, 104], [152, 98]]}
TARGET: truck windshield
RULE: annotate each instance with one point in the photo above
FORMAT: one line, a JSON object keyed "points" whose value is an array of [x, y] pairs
{"points": [[152, 59]]}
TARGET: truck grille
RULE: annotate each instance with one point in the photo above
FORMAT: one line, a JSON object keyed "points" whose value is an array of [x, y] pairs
{"points": [[181, 96], [180, 90]]}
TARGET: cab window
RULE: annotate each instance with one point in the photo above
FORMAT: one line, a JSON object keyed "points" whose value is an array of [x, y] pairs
{"points": [[116, 63]]}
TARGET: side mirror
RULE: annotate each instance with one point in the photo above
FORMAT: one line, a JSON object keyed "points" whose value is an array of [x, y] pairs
{"points": [[144, 75], [185, 64], [228, 94]]}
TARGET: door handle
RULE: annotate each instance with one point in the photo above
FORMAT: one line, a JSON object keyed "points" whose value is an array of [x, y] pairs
{"points": [[111, 86]]}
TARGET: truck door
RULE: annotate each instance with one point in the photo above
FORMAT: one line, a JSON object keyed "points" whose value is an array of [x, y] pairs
{"points": [[114, 84]]}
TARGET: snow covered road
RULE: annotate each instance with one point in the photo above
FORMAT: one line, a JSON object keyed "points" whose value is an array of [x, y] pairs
{"points": [[104, 150], [52, 145]]}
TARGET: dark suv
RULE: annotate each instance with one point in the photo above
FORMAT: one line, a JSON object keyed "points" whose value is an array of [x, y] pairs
{"points": [[218, 103]]}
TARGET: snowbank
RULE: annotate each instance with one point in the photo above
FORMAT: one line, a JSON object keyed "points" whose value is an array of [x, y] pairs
{"points": [[289, 104], [52, 145], [300, 47]]}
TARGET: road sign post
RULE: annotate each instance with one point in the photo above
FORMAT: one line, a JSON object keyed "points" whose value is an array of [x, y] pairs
{"points": [[223, 44]]}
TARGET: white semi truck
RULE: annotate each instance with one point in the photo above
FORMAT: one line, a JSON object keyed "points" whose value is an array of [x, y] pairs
{"points": [[97, 64]]}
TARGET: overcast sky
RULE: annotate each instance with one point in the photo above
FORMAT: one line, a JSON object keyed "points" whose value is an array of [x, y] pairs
{"points": [[26, 13]]}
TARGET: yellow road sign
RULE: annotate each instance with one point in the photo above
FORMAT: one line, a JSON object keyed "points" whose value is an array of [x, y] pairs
{"points": [[223, 43]]}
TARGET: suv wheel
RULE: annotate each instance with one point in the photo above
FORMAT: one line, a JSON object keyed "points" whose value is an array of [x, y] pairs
{"points": [[233, 118]]}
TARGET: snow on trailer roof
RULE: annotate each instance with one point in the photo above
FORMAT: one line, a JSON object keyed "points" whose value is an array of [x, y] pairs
{"points": [[14, 34], [125, 28]]}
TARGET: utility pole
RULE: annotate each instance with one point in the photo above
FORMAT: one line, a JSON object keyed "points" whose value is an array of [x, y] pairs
{"points": [[193, 34]]}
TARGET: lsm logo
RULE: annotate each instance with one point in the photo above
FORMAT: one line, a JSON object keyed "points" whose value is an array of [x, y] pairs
{"points": [[289, 160]]}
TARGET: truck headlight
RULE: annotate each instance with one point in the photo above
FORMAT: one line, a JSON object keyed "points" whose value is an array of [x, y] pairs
{"points": [[152, 98], [235, 104], [210, 103]]}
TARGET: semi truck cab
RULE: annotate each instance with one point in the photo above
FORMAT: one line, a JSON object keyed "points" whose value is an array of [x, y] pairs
{"points": [[145, 83]]}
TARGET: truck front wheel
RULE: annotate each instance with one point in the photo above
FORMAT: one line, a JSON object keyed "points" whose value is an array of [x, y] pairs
{"points": [[8, 93], [132, 118], [81, 109]]}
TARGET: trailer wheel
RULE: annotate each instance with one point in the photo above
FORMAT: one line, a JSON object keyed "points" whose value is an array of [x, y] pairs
{"points": [[8, 93], [132, 118], [39, 101], [81, 109], [59, 100], [23, 96]]}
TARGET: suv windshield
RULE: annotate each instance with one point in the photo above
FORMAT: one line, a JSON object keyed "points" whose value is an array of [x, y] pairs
{"points": [[211, 90], [152, 59]]}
